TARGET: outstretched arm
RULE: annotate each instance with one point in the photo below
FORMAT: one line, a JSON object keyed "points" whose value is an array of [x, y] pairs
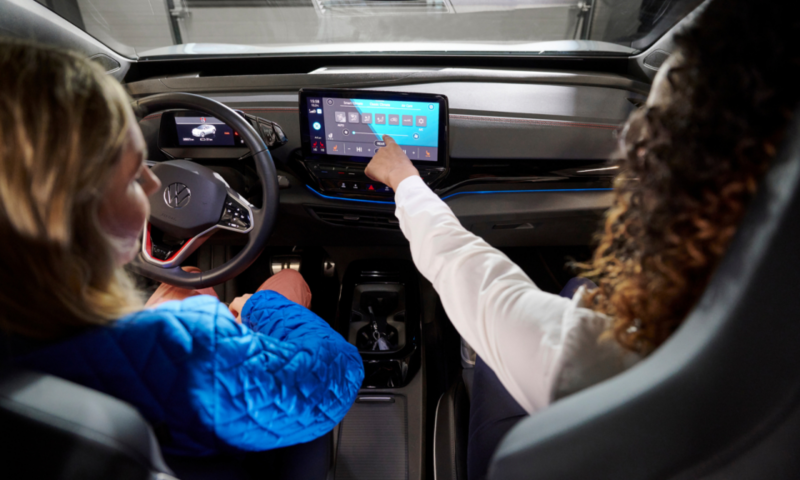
{"points": [[515, 327]]}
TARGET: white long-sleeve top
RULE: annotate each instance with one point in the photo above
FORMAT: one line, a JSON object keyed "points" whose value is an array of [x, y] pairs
{"points": [[541, 346]]}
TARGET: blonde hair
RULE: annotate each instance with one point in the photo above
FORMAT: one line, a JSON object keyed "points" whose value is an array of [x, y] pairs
{"points": [[63, 126]]}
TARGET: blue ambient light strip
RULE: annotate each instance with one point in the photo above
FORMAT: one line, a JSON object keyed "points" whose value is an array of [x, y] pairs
{"points": [[479, 192], [349, 199]]}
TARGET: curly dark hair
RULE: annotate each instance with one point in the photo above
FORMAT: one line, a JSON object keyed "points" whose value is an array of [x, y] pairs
{"points": [[688, 167]]}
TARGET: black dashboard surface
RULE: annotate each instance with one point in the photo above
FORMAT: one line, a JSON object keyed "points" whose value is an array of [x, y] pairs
{"points": [[528, 150]]}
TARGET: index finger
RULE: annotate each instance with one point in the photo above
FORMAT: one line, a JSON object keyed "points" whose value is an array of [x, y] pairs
{"points": [[389, 140]]}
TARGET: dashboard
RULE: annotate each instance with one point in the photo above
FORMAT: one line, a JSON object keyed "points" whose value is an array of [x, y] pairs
{"points": [[522, 160]]}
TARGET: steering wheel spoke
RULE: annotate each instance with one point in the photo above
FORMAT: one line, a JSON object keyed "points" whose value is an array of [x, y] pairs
{"points": [[167, 254], [237, 213]]}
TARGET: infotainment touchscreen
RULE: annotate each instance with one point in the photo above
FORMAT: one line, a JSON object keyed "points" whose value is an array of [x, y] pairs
{"points": [[352, 124]]}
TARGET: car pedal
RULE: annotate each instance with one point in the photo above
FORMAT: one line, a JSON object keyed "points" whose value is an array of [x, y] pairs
{"points": [[282, 262], [328, 268]]}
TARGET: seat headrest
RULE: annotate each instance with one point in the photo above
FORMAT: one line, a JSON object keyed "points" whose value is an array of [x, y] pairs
{"points": [[728, 377]]}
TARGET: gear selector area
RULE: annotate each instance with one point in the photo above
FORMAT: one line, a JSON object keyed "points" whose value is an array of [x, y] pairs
{"points": [[379, 314]]}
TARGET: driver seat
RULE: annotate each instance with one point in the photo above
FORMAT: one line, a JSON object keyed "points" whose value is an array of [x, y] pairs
{"points": [[52, 428], [721, 398], [56, 429]]}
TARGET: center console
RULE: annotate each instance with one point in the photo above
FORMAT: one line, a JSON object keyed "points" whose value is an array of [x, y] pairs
{"points": [[383, 434], [341, 130]]}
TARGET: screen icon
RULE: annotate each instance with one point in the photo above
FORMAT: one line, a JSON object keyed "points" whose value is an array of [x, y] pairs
{"points": [[422, 121], [394, 119], [430, 107], [427, 153], [346, 131], [341, 117], [319, 111], [353, 117], [380, 118], [317, 125], [366, 118], [330, 136], [330, 102], [416, 136], [335, 148], [408, 120], [359, 149]]}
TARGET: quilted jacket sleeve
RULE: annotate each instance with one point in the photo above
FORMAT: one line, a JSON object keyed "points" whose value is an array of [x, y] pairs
{"points": [[208, 384], [314, 375]]}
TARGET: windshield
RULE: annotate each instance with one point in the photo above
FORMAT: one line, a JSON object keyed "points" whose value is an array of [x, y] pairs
{"points": [[153, 28]]}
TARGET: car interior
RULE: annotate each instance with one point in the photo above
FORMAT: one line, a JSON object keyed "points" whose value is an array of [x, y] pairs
{"points": [[516, 139]]}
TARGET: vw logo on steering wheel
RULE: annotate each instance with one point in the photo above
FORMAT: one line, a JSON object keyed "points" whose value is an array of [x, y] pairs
{"points": [[177, 195]]}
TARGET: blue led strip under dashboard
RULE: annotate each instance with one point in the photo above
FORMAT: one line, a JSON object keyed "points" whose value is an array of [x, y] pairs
{"points": [[349, 199], [479, 192]]}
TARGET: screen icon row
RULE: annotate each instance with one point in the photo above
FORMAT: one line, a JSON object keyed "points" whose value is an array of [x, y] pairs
{"points": [[381, 119], [370, 149]]}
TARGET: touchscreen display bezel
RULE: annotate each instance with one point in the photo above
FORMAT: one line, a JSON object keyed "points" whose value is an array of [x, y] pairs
{"points": [[305, 133]]}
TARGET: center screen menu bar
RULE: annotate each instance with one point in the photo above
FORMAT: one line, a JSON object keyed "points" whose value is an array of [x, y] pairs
{"points": [[355, 127]]}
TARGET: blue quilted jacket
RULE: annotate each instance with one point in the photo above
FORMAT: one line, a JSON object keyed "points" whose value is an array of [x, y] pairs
{"points": [[281, 377]]}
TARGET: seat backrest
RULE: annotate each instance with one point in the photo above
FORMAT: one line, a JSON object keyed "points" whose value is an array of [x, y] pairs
{"points": [[55, 429], [721, 398]]}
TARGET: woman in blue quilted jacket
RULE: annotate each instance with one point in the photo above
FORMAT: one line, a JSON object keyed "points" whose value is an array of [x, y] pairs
{"points": [[73, 200]]}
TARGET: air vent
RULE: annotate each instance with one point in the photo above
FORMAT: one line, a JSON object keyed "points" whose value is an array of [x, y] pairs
{"points": [[109, 64], [636, 102], [656, 59], [357, 218]]}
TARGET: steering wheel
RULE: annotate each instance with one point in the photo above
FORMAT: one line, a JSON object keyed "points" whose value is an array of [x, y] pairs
{"points": [[194, 202]]}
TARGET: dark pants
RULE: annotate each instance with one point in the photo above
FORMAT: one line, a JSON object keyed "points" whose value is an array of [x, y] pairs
{"points": [[493, 411]]}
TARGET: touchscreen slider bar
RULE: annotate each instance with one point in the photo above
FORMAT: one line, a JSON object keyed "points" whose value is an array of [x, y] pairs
{"points": [[370, 149], [372, 133]]}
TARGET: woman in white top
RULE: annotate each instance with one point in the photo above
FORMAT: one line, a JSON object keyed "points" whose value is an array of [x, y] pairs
{"points": [[689, 163]]}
